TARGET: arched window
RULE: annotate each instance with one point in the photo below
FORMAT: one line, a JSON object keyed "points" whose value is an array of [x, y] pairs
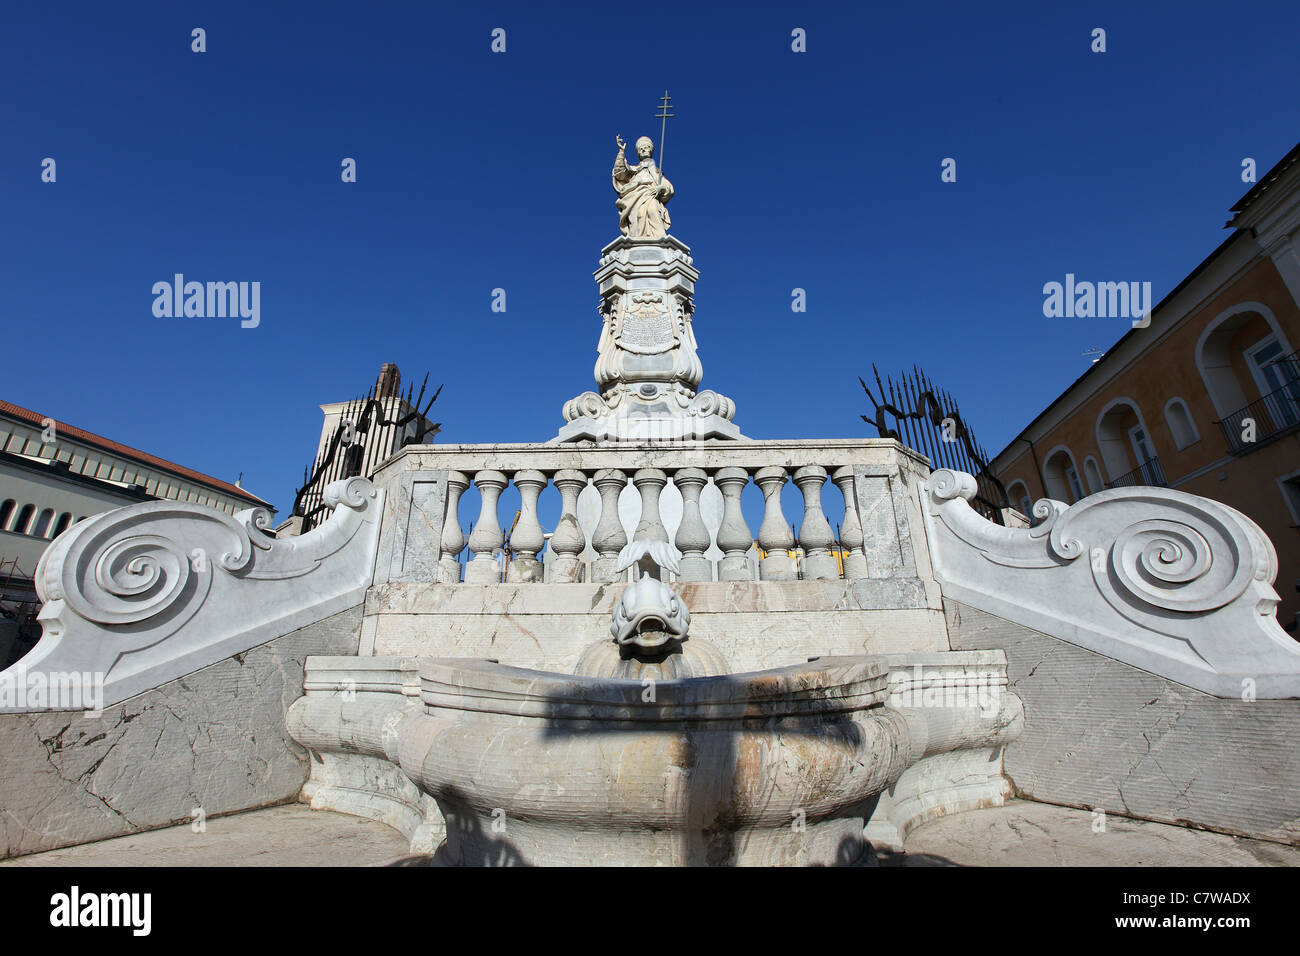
{"points": [[1226, 351], [61, 526], [1062, 476], [1126, 446], [1180, 423], [43, 523], [1093, 473], [1018, 496], [24, 519], [6, 512]]}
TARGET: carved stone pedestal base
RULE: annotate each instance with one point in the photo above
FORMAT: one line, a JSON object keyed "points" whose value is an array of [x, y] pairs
{"points": [[647, 370]]}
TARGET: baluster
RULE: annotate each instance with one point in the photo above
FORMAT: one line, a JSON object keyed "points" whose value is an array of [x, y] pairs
{"points": [[692, 534], [609, 538], [851, 537], [567, 541], [774, 535], [453, 539], [527, 538], [486, 540], [733, 536], [650, 483], [815, 535]]}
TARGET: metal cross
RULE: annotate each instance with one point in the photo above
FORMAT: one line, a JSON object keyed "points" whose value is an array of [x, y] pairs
{"points": [[665, 114]]}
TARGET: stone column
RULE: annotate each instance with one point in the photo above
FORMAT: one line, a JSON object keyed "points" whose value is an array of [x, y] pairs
{"points": [[855, 562], [692, 534], [486, 540], [527, 539], [733, 536], [453, 539], [650, 483], [815, 535], [609, 537], [774, 535], [568, 540]]}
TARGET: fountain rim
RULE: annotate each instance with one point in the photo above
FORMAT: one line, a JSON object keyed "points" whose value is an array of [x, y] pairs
{"points": [[825, 686]]}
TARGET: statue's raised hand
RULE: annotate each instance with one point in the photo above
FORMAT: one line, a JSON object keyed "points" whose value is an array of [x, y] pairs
{"points": [[621, 145]]}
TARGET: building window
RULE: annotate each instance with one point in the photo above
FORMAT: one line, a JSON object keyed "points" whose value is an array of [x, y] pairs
{"points": [[1115, 441], [65, 519], [1181, 426], [1093, 473], [24, 519], [1145, 455], [1290, 486], [1278, 381], [43, 523], [6, 512], [1222, 341], [1076, 486], [1061, 476]]}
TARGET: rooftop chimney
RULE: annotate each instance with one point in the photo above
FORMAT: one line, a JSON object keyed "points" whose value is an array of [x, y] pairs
{"points": [[389, 383]]}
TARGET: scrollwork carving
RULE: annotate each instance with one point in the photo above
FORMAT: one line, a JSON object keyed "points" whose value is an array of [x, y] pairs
{"points": [[1122, 572], [153, 591]]}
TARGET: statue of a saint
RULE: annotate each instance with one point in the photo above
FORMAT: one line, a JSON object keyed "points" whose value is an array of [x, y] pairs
{"points": [[642, 192]]}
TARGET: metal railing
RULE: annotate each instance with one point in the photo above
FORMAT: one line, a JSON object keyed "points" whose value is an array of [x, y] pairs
{"points": [[1265, 419], [1150, 472]]}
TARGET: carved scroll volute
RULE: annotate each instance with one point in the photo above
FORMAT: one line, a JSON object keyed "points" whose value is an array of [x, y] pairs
{"points": [[145, 594], [1120, 573]]}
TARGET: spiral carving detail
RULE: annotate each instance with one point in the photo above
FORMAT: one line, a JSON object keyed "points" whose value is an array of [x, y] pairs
{"points": [[349, 492], [1176, 565], [586, 405], [119, 572], [709, 402], [946, 484]]}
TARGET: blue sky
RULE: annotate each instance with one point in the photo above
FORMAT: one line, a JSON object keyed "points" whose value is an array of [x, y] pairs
{"points": [[477, 170]]}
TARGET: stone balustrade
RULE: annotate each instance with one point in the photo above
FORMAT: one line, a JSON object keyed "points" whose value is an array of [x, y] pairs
{"points": [[689, 494]]}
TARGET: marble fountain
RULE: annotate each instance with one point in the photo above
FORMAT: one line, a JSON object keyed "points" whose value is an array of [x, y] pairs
{"points": [[652, 683]]}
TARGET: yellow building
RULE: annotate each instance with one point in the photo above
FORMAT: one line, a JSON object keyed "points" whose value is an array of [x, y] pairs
{"points": [[1205, 399]]}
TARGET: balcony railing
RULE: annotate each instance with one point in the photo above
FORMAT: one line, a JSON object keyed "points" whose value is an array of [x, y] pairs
{"points": [[1265, 419], [1149, 472]]}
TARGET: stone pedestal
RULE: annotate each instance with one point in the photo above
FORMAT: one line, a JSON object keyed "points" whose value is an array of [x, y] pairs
{"points": [[647, 369]]}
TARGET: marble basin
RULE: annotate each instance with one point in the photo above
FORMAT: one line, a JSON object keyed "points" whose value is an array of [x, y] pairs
{"points": [[775, 767]]}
